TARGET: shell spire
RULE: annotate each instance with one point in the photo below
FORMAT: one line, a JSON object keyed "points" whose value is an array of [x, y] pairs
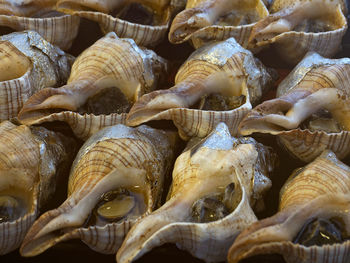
{"points": [[116, 178], [210, 201]]}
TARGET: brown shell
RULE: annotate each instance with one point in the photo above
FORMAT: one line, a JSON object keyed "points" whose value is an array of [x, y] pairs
{"points": [[183, 28], [30, 157], [144, 35], [205, 166], [314, 77], [293, 45], [115, 157], [321, 189], [41, 65], [211, 69], [110, 62]]}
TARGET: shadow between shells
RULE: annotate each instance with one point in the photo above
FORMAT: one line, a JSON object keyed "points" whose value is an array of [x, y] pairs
{"points": [[194, 131]]}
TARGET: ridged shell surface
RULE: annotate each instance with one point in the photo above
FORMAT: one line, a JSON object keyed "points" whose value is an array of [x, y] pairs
{"points": [[31, 64], [136, 159], [207, 20], [40, 16], [28, 163], [111, 62], [297, 27], [222, 68], [206, 167], [319, 190], [143, 34], [315, 84]]}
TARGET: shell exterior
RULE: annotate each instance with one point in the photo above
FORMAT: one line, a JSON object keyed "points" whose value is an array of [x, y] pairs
{"points": [[28, 167], [110, 62], [319, 190], [223, 67], [100, 12], [57, 28], [305, 90], [204, 167], [278, 28], [117, 156], [41, 63], [189, 23]]}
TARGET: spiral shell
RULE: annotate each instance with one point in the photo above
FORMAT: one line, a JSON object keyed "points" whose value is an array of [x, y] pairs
{"points": [[297, 27], [31, 64], [28, 166], [219, 68], [111, 62], [143, 34], [315, 84], [201, 21], [117, 157], [206, 167], [319, 190]]}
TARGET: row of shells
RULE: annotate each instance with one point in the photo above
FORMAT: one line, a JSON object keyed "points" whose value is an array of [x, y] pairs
{"points": [[117, 85]]}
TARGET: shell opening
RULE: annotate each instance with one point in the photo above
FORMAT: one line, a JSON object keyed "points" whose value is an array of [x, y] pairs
{"points": [[46, 13], [116, 206], [109, 100], [219, 102], [14, 204], [216, 206], [322, 121], [138, 14], [320, 231], [238, 18]]}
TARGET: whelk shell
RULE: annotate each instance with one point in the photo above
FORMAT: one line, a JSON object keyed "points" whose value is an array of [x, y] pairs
{"points": [[118, 158], [297, 27], [103, 12], [319, 190], [112, 64], [222, 68], [40, 16], [216, 165], [316, 86], [30, 160], [29, 64], [207, 20]]}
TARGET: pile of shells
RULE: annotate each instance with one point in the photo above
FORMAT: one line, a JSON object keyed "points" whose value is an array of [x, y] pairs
{"points": [[124, 126]]}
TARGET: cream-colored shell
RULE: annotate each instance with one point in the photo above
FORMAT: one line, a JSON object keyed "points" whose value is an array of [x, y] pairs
{"points": [[321, 189], [222, 67], [28, 163], [204, 167], [144, 35], [315, 83], [117, 156], [292, 45], [188, 25], [57, 28], [31, 64], [110, 62]]}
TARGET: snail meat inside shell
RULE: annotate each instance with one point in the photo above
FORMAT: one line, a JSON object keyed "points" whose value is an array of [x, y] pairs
{"points": [[216, 206], [320, 232], [117, 205]]}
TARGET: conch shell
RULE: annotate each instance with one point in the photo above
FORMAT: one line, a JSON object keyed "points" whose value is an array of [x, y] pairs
{"points": [[40, 16], [144, 21], [29, 160], [222, 69], [113, 65], [315, 89], [319, 192], [297, 27], [124, 165], [28, 64], [207, 20], [229, 175]]}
